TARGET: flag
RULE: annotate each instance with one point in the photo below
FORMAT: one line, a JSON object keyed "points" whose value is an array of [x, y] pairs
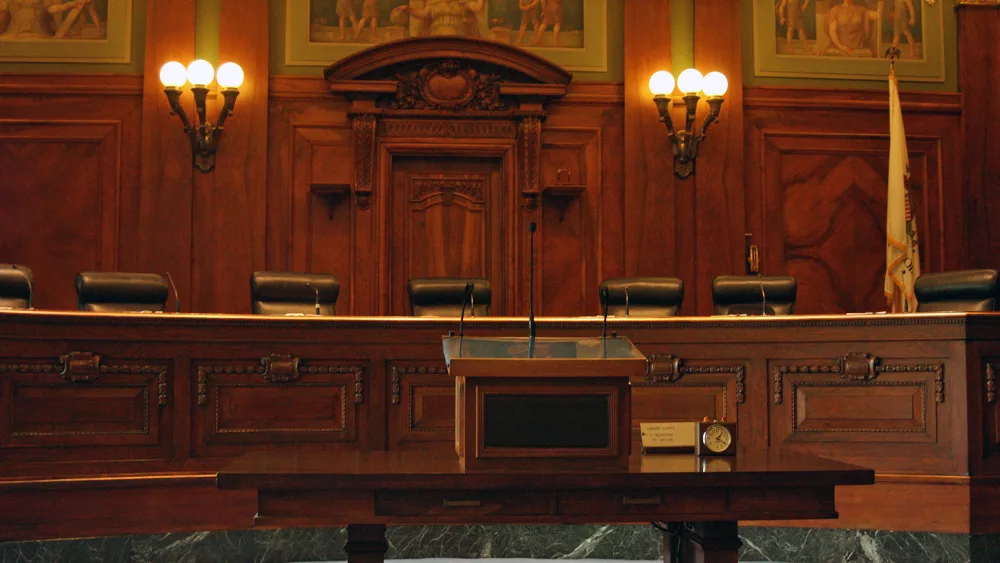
{"points": [[902, 253]]}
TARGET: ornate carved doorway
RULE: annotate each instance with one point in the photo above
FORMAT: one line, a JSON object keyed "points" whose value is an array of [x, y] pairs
{"points": [[447, 137]]}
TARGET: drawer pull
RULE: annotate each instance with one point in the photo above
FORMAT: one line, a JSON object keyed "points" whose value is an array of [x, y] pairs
{"points": [[461, 503], [655, 499]]}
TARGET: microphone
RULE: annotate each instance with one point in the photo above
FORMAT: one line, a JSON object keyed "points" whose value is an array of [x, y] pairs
{"points": [[469, 287], [604, 311], [753, 267], [177, 298], [472, 303], [31, 287], [532, 227], [312, 287], [626, 301]]}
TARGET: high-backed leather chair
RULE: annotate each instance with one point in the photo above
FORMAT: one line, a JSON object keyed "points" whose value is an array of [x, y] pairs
{"points": [[120, 292], [15, 287], [642, 297], [442, 297], [961, 290], [283, 293], [741, 295]]}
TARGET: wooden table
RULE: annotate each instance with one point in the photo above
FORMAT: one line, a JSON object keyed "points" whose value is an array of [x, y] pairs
{"points": [[703, 498]]}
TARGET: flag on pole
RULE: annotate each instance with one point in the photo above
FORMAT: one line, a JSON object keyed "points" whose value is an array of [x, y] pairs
{"points": [[902, 253]]}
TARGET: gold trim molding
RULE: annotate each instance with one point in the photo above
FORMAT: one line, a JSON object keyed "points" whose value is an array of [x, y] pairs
{"points": [[978, 3]]}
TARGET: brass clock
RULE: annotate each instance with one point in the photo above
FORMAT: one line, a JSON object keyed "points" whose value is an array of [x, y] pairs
{"points": [[716, 438]]}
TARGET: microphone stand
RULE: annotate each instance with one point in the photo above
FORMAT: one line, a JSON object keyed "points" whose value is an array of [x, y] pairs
{"points": [[532, 227], [604, 326], [177, 298], [461, 321], [312, 287]]}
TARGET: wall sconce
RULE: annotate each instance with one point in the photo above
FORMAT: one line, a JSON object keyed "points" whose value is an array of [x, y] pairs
{"points": [[204, 137], [690, 82]]}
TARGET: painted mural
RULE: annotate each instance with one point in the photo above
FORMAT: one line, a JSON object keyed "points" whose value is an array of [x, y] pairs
{"points": [[790, 35], [53, 19], [65, 30], [540, 23]]}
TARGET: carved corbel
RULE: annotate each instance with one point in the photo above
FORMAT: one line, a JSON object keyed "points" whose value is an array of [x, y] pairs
{"points": [[280, 368], [80, 366], [530, 130], [858, 367], [663, 369], [363, 128]]}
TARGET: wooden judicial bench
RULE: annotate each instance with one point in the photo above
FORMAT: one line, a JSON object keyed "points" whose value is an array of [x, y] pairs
{"points": [[114, 424]]}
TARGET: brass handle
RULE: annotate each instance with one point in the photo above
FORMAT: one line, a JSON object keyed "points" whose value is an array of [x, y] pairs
{"points": [[655, 499], [461, 503]]}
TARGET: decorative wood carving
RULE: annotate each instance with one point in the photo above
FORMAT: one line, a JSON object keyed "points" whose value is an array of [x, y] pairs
{"points": [[668, 369], [410, 128], [80, 366], [921, 429], [471, 188], [531, 142], [399, 371], [84, 367], [857, 368], [448, 85], [363, 126], [280, 367], [991, 382]]}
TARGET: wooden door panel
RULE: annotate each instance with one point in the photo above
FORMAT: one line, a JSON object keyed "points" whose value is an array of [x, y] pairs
{"points": [[447, 220], [60, 201], [82, 406], [241, 405], [421, 405]]}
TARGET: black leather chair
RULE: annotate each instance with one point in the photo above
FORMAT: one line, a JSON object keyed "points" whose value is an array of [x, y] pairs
{"points": [[643, 297], [741, 295], [120, 292], [283, 293], [15, 287], [442, 297], [961, 290]]}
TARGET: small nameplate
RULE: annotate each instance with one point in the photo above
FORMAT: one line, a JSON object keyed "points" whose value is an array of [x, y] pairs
{"points": [[668, 437]]}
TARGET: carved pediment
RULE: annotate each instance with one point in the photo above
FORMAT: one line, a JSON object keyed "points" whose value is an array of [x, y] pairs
{"points": [[448, 85]]}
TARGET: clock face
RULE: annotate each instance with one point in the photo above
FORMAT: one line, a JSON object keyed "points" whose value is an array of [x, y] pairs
{"points": [[717, 438]]}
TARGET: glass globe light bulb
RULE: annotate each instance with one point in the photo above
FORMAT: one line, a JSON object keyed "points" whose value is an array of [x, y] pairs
{"points": [[715, 84], [661, 83], [229, 75], [173, 75], [690, 81], [200, 73]]}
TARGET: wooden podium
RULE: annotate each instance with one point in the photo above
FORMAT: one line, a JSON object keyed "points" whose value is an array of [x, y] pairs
{"points": [[542, 403]]}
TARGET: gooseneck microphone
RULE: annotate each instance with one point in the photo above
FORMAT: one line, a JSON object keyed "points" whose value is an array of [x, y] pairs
{"points": [[312, 287], [626, 300], [31, 287], [177, 298], [469, 287], [604, 326], [532, 227], [753, 267]]}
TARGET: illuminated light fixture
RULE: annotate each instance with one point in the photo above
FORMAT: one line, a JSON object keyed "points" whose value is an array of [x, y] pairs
{"points": [[204, 137], [690, 82]]}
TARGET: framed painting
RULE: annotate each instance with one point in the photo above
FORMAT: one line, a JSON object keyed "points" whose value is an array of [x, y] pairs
{"points": [[89, 31], [570, 33], [849, 38]]}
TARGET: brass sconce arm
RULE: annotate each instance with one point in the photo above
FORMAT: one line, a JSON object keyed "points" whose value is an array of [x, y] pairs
{"points": [[203, 136]]}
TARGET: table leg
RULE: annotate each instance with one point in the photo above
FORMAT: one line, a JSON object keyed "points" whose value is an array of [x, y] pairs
{"points": [[711, 542], [366, 543]]}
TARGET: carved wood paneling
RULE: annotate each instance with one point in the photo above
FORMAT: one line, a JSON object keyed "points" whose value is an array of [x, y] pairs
{"points": [[82, 405], [816, 176], [422, 405], [61, 200], [676, 389], [570, 155], [991, 410], [279, 398], [859, 404]]}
